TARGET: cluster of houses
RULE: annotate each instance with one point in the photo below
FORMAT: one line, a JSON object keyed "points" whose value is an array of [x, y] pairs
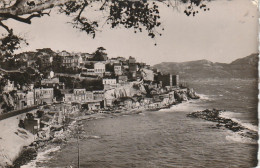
{"points": [[26, 96], [126, 84], [116, 74]]}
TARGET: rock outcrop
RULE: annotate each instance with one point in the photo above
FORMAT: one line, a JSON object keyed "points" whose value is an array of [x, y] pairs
{"points": [[185, 94], [214, 116]]}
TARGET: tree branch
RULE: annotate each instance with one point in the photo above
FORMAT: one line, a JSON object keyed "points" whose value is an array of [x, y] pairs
{"points": [[6, 28], [19, 8], [82, 9], [20, 19]]}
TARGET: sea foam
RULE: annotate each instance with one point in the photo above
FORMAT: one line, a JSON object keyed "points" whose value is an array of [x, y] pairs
{"points": [[41, 157], [230, 115], [236, 137]]}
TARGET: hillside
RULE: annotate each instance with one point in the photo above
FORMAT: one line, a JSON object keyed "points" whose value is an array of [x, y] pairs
{"points": [[241, 68]]}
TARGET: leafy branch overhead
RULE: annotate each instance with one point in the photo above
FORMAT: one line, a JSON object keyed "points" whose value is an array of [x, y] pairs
{"points": [[139, 15]]}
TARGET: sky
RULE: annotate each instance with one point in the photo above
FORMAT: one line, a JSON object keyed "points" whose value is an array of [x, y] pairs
{"points": [[228, 31]]}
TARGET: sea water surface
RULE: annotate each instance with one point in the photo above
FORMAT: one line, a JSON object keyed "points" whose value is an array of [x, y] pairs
{"points": [[167, 138]]}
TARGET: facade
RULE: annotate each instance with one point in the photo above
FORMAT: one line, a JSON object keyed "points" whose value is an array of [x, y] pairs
{"points": [[43, 95], [121, 59], [69, 60], [175, 80], [118, 69], [90, 72], [64, 53], [107, 81], [79, 95], [20, 100], [98, 95], [30, 98], [69, 97], [89, 96], [94, 105], [169, 80], [99, 68], [52, 83]]}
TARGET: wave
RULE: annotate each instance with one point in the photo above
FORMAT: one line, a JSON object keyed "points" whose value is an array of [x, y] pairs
{"points": [[204, 97], [236, 137], [187, 106], [41, 157], [230, 115], [92, 137]]}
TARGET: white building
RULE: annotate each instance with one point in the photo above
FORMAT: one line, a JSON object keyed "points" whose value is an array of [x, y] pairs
{"points": [[100, 68], [79, 95], [107, 81], [30, 98]]}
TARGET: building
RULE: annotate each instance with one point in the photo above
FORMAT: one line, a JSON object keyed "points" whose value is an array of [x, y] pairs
{"points": [[24, 99], [98, 95], [121, 59], [107, 81], [29, 98], [112, 61], [68, 97], [133, 67], [43, 96], [94, 105], [68, 60], [131, 60], [90, 72], [79, 96], [122, 79], [52, 83], [89, 96], [99, 68], [118, 69], [20, 100], [64, 53], [169, 80], [175, 80]]}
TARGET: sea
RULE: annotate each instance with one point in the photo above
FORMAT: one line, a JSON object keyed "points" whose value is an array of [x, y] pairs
{"points": [[167, 138]]}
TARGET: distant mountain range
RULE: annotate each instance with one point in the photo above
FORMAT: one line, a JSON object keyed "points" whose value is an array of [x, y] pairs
{"points": [[246, 67]]}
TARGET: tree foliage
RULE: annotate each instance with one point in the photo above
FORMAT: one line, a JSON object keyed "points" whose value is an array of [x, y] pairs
{"points": [[139, 15], [99, 55]]}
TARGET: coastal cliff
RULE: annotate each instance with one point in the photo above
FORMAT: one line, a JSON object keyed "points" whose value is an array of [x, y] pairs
{"points": [[125, 91]]}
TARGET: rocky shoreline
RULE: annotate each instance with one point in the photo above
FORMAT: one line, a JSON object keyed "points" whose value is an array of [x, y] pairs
{"points": [[58, 134], [214, 116], [61, 136]]}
